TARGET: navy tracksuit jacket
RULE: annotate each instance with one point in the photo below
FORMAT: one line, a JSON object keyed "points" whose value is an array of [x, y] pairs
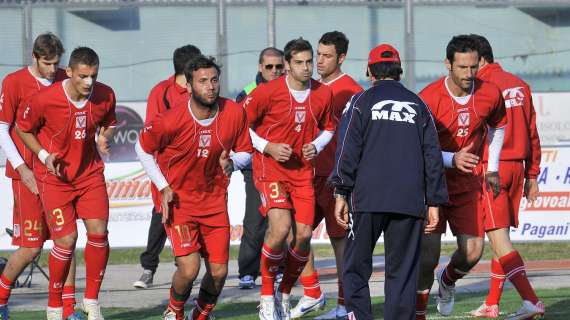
{"points": [[388, 162]]}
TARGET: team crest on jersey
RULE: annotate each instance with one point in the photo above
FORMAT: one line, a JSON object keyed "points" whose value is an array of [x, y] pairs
{"points": [[205, 140], [1, 101], [81, 122], [463, 119], [26, 112], [300, 116], [514, 97], [16, 230]]}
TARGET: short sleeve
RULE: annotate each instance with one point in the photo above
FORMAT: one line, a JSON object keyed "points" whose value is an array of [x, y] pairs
{"points": [[255, 104], [243, 140], [328, 120], [110, 119], [8, 101], [31, 117], [155, 136], [498, 114]]}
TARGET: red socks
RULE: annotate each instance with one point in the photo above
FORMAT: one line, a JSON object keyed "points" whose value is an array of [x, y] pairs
{"points": [[59, 261], [422, 298], [202, 310], [96, 256], [311, 285], [270, 260], [296, 261], [5, 289], [513, 266], [496, 284], [176, 303], [68, 298], [451, 275]]}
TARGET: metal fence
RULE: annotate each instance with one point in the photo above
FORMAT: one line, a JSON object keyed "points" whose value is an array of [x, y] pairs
{"points": [[135, 39]]}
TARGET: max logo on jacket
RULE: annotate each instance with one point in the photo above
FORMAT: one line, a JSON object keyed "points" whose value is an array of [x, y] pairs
{"points": [[392, 110], [514, 97]]}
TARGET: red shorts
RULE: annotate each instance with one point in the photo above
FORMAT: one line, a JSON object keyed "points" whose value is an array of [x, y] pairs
{"points": [[325, 208], [464, 214], [300, 199], [30, 228], [503, 211], [209, 235], [64, 204]]}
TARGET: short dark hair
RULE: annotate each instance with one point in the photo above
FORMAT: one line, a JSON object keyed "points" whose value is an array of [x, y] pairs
{"points": [[200, 62], [296, 45], [182, 56], [83, 55], [336, 38], [462, 44], [270, 51], [47, 45], [485, 49]]}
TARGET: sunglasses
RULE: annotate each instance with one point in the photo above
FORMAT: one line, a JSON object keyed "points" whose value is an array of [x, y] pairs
{"points": [[271, 66]]}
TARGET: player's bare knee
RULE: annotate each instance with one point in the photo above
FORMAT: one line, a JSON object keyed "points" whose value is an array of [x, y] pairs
{"points": [[188, 272], [219, 273], [303, 234], [67, 241]]}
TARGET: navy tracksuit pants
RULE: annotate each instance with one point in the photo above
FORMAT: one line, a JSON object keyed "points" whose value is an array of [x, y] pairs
{"points": [[402, 239]]}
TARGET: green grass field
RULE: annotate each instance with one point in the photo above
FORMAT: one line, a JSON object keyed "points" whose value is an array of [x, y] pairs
{"points": [[557, 304], [529, 251]]}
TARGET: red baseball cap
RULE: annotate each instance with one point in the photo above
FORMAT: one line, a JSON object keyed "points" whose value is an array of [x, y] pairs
{"points": [[375, 54]]}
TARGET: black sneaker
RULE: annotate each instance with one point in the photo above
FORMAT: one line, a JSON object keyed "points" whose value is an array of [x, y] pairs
{"points": [[145, 281]]}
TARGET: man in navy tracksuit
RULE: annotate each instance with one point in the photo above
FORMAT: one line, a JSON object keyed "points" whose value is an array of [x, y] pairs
{"points": [[389, 172]]}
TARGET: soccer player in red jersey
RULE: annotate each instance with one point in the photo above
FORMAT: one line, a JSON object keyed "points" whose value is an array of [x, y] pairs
{"points": [[519, 167], [466, 112], [192, 143], [331, 53], [60, 125], [292, 121], [30, 228], [164, 96]]}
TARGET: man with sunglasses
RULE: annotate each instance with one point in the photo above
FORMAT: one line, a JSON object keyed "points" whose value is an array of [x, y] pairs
{"points": [[254, 225]]}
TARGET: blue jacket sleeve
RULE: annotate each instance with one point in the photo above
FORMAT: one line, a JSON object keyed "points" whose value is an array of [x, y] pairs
{"points": [[349, 148], [434, 173]]}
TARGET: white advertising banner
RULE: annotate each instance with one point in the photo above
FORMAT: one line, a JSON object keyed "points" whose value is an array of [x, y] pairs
{"points": [[128, 187]]}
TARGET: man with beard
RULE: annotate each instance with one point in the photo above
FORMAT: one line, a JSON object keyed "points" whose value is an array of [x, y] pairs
{"points": [[60, 125], [30, 228], [466, 111], [292, 122], [518, 169], [165, 95], [191, 169], [331, 53]]}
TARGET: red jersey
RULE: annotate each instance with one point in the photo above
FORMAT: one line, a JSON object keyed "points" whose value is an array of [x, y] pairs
{"points": [[188, 154], [460, 125], [522, 143], [279, 118], [164, 96], [17, 88], [63, 128], [343, 88]]}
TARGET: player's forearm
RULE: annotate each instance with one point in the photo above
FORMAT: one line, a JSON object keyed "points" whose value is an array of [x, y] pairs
{"points": [[322, 140], [496, 139], [30, 140], [9, 147], [241, 160], [107, 132], [258, 142], [151, 167]]}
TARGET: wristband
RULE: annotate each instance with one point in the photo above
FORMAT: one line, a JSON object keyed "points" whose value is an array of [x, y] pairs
{"points": [[42, 155]]}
